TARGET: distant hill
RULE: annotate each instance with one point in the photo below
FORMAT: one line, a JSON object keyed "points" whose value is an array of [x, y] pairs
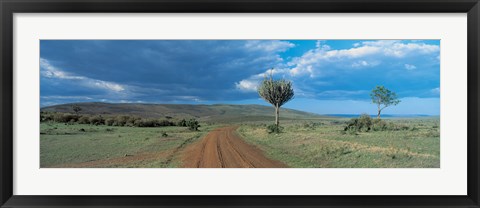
{"points": [[202, 112], [383, 115]]}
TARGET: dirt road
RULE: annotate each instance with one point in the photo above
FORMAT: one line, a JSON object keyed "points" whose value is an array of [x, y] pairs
{"points": [[224, 148]]}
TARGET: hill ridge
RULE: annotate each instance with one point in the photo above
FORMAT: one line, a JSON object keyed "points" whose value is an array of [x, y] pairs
{"points": [[201, 111]]}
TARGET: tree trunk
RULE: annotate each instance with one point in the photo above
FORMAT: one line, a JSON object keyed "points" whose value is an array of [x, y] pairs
{"points": [[277, 112], [379, 110]]}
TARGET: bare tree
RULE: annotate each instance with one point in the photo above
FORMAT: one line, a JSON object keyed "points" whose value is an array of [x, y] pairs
{"points": [[277, 93], [383, 97], [76, 109]]}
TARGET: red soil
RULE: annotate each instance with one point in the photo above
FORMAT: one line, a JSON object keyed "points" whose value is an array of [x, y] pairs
{"points": [[224, 148]]}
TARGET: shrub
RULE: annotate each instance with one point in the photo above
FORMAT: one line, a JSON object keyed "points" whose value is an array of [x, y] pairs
{"points": [[138, 123], [120, 120], [97, 120], [274, 129], [183, 122], [58, 118], [379, 125], [365, 122], [148, 123], [362, 123], [109, 121], [64, 117], [84, 120], [193, 124], [131, 121], [164, 134], [164, 123], [404, 127], [46, 116]]}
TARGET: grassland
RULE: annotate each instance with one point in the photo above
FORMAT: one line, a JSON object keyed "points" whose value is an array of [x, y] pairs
{"points": [[324, 144], [83, 145], [307, 141]]}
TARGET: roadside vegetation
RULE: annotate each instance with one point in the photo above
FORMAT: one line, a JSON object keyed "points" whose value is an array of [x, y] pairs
{"points": [[404, 143], [83, 140], [118, 120], [86, 145]]}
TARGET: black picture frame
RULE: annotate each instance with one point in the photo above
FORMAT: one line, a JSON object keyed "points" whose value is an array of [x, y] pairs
{"points": [[9, 7]]}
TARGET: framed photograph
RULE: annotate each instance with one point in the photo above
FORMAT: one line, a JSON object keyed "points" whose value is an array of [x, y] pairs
{"points": [[267, 103]]}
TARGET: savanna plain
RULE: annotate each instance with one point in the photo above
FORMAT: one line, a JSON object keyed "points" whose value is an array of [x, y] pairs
{"points": [[102, 135]]}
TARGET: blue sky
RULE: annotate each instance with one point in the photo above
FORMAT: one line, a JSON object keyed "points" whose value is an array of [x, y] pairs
{"points": [[329, 76]]}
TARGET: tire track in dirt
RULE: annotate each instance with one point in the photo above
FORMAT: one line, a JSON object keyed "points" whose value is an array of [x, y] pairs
{"points": [[224, 148]]}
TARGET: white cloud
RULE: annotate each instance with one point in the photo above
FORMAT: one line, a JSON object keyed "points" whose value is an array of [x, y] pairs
{"points": [[269, 46], [398, 49], [247, 85], [107, 85], [364, 54], [362, 64], [323, 61], [50, 71], [251, 84], [410, 66]]}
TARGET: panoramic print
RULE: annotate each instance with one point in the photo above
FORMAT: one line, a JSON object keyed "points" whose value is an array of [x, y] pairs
{"points": [[239, 103]]}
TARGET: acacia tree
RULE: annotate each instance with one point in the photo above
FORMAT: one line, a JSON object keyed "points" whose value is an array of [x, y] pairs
{"points": [[277, 93], [383, 97]]}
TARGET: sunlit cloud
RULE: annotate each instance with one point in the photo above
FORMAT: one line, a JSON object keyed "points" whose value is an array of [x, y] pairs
{"points": [[49, 71]]}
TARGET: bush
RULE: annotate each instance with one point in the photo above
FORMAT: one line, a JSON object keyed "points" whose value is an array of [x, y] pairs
{"points": [[193, 124], [272, 128], [64, 117], [164, 134], [183, 122], [46, 116], [312, 125], [138, 123], [365, 123], [84, 120], [164, 123], [109, 121], [151, 123], [97, 120], [379, 125], [362, 124], [120, 120], [131, 120]]}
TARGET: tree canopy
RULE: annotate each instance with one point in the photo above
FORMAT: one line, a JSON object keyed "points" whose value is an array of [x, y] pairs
{"points": [[277, 93], [383, 97]]}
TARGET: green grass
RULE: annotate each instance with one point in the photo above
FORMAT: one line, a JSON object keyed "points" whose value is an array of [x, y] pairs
{"points": [[305, 143], [324, 144], [64, 145]]}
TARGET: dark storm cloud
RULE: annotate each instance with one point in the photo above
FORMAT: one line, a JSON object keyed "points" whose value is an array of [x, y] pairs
{"points": [[156, 71]]}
